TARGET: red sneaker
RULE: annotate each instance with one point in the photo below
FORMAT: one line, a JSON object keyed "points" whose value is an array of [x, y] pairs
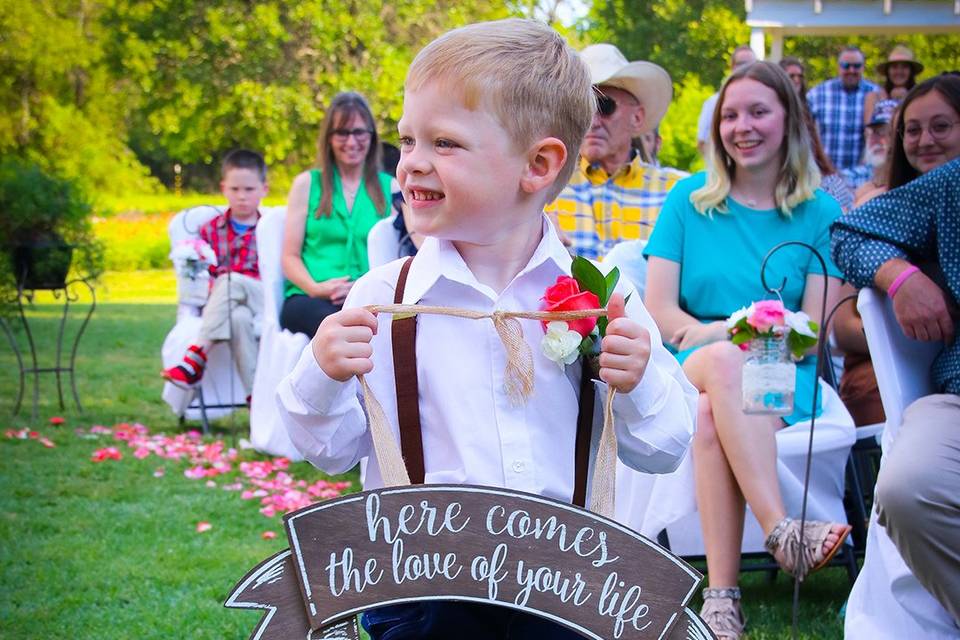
{"points": [[188, 373]]}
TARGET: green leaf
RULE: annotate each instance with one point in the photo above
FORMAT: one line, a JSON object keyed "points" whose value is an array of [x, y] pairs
{"points": [[741, 337], [602, 323], [611, 284], [590, 278]]}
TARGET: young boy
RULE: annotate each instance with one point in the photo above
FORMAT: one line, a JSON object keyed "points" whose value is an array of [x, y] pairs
{"points": [[235, 304], [493, 115]]}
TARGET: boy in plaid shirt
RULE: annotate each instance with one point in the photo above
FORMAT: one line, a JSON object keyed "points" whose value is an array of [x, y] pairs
{"points": [[235, 304]]}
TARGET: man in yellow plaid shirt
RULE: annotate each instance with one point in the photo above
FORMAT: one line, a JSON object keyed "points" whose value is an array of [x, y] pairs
{"points": [[614, 196]]}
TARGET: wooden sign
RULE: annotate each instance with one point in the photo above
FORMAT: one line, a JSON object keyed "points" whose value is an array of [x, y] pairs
{"points": [[467, 543]]}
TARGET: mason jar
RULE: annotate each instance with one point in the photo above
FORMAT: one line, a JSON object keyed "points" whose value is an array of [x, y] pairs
{"points": [[769, 377]]}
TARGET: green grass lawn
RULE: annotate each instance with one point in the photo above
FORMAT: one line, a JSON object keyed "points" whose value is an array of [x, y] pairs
{"points": [[107, 550]]}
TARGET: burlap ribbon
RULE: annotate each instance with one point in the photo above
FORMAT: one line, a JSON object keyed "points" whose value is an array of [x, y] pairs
{"points": [[519, 386]]}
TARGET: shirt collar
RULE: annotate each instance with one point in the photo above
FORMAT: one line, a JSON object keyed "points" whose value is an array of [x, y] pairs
{"points": [[596, 173], [438, 259], [225, 217]]}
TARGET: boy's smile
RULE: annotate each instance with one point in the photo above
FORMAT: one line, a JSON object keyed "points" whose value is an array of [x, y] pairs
{"points": [[459, 169]]}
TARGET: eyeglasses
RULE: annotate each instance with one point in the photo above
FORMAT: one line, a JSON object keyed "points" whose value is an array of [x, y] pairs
{"points": [[606, 106], [361, 135], [856, 66], [939, 129]]}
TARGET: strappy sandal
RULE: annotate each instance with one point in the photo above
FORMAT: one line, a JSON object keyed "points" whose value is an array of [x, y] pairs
{"points": [[721, 611], [802, 561]]}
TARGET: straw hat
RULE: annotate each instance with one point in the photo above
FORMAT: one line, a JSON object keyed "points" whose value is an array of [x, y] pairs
{"points": [[645, 81], [900, 53]]}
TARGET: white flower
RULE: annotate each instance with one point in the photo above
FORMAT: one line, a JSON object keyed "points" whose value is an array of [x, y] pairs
{"points": [[738, 315], [799, 322], [560, 344]]}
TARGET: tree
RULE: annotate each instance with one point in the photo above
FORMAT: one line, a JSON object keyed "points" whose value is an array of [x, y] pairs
{"points": [[59, 106]]}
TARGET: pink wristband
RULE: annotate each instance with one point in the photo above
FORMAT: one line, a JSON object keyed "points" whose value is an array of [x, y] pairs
{"points": [[900, 279]]}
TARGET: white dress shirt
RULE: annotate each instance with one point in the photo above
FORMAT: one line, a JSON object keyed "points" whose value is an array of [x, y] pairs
{"points": [[472, 432]]}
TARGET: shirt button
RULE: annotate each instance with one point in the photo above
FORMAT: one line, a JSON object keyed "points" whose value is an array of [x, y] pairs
{"points": [[519, 466]]}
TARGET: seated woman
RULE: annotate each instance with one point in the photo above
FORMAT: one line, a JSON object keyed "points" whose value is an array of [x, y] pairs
{"points": [[704, 263], [330, 212], [926, 136]]}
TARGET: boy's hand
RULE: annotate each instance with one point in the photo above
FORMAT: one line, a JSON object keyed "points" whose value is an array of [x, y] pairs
{"points": [[342, 343], [625, 349]]}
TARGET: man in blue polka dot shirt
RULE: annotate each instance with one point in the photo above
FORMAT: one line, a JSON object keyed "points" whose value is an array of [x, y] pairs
{"points": [[918, 490]]}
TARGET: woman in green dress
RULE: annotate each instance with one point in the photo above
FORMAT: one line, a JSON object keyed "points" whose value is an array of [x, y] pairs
{"points": [[704, 263], [330, 211]]}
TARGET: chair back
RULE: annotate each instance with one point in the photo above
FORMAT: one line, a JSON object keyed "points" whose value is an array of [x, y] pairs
{"points": [[383, 244], [186, 224], [269, 252], [902, 364]]}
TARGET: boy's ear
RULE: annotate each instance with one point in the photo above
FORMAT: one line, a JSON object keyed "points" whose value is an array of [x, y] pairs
{"points": [[545, 159]]}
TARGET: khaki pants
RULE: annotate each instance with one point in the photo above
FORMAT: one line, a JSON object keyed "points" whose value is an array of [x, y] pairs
{"points": [[232, 313], [918, 496]]}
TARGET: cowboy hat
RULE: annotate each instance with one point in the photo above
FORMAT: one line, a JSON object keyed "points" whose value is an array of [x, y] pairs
{"points": [[645, 81], [900, 53]]}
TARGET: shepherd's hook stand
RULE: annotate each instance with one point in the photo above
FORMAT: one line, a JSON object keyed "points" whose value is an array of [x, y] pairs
{"points": [[70, 293], [821, 350]]}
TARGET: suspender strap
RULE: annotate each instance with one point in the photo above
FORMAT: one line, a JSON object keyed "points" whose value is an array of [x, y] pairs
{"points": [[581, 461], [404, 333]]}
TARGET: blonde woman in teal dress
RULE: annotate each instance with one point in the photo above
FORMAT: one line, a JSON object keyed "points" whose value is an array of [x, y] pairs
{"points": [[330, 211], [704, 263]]}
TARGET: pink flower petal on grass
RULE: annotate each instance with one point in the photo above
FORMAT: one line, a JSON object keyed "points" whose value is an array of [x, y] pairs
{"points": [[107, 453], [203, 526], [268, 535], [57, 421], [47, 442], [141, 453], [159, 472]]}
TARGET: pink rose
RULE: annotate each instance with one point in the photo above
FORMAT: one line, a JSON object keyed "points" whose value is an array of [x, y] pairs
{"points": [[565, 295], [766, 315]]}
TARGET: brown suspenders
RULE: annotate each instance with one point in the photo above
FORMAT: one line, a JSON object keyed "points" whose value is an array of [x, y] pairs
{"points": [[404, 334]]}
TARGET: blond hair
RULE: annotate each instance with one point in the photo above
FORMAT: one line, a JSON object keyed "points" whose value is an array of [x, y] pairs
{"points": [[533, 82], [798, 177]]}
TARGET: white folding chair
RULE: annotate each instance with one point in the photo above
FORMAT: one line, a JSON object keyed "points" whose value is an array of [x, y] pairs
{"points": [[279, 349], [627, 256], [652, 503], [212, 398], [887, 601]]}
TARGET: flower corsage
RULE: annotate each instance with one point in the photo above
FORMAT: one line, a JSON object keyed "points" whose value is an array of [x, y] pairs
{"points": [[770, 319], [565, 341]]}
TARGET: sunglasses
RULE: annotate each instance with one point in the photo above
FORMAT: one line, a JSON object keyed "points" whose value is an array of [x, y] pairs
{"points": [[359, 134], [606, 106], [856, 66]]}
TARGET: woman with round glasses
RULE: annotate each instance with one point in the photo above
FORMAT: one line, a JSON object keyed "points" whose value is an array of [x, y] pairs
{"points": [[330, 211], [926, 136], [899, 75], [926, 129]]}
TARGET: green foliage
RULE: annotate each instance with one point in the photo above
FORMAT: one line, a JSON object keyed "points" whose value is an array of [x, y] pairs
{"points": [[679, 127], [938, 53], [61, 106], [38, 207]]}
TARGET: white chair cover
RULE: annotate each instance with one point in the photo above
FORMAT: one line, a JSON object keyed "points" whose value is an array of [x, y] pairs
{"points": [[628, 257], [649, 503], [279, 349], [221, 375], [383, 244], [887, 601]]}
